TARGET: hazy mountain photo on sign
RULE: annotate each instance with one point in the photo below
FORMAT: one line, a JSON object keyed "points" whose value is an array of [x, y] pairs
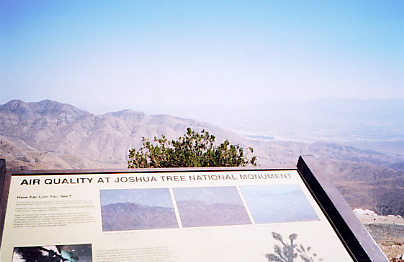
{"points": [[134, 209], [278, 204], [210, 206]]}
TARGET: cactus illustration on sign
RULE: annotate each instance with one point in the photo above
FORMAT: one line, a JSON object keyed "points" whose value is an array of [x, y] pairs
{"points": [[288, 252]]}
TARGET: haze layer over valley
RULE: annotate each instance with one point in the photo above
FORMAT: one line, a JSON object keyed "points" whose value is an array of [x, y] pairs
{"points": [[53, 135], [366, 123]]}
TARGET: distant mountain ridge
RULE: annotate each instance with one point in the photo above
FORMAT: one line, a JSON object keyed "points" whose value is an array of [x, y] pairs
{"points": [[53, 135], [196, 213], [100, 141], [103, 141]]}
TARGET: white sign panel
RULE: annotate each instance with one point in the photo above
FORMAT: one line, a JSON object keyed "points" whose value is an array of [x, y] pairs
{"points": [[167, 216]]}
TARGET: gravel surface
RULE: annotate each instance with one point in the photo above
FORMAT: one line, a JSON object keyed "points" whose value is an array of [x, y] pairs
{"points": [[387, 231]]}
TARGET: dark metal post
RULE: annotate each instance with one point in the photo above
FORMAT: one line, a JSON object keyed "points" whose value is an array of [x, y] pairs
{"points": [[3, 195], [2, 174]]}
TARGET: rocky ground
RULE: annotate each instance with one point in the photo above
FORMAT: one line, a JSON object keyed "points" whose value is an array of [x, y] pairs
{"points": [[387, 231]]}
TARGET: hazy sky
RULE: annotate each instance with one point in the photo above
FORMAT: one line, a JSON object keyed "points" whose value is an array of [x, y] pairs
{"points": [[148, 197], [110, 55], [223, 195]]}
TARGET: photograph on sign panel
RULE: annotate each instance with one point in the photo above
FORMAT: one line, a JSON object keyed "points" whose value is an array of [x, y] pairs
{"points": [[55, 253], [277, 204], [133, 209], [210, 206]]}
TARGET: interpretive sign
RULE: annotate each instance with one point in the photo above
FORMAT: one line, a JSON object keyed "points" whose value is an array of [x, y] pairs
{"points": [[168, 215]]}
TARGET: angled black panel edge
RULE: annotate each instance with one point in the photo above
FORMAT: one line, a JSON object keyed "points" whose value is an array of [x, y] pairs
{"points": [[4, 188], [2, 174], [352, 233]]}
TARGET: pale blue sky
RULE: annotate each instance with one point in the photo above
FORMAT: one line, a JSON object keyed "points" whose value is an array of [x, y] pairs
{"points": [[111, 55]]}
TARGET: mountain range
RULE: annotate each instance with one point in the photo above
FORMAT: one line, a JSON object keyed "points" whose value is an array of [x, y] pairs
{"points": [[196, 213], [54, 135], [131, 216]]}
